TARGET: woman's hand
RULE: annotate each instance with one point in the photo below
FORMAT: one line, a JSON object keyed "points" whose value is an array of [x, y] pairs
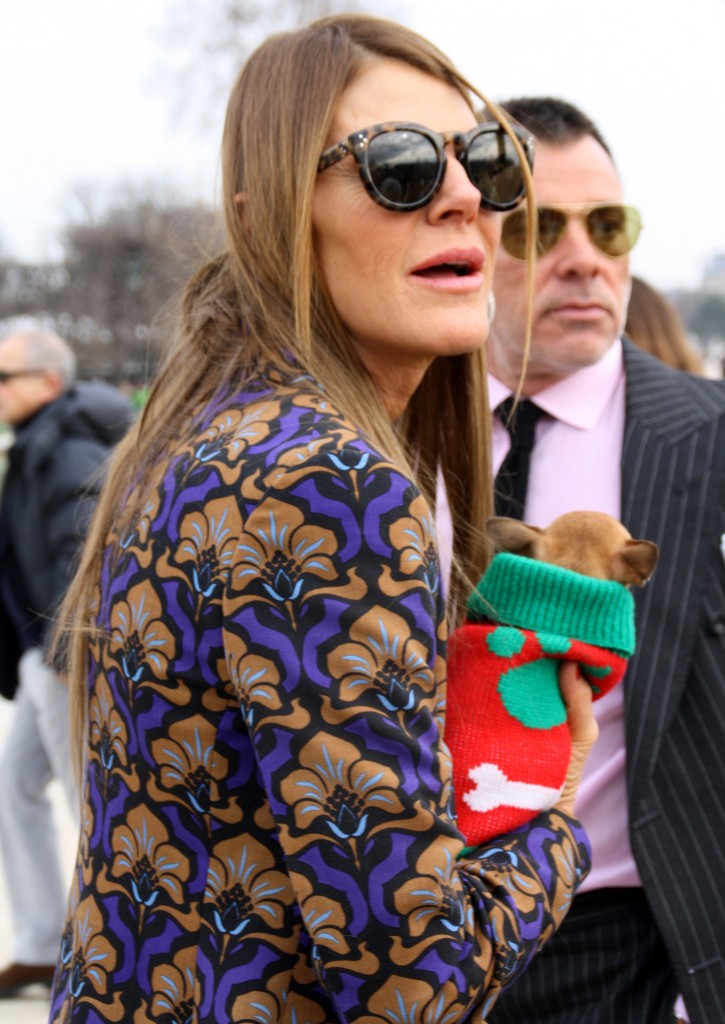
{"points": [[577, 696]]}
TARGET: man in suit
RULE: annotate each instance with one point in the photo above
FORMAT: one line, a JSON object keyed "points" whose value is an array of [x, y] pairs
{"points": [[613, 429], [63, 433]]}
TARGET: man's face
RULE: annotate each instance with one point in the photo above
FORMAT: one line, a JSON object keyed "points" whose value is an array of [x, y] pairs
{"points": [[580, 295], [23, 395]]}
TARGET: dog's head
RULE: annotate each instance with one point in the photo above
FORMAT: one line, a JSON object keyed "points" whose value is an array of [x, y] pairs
{"points": [[591, 543]]}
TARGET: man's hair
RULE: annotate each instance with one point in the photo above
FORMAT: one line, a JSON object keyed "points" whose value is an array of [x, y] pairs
{"points": [[554, 121], [45, 350]]}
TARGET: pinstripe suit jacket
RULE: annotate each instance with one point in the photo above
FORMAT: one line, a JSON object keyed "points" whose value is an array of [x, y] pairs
{"points": [[673, 492]]}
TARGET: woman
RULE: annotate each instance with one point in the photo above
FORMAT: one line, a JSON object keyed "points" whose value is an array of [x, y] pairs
{"points": [[267, 828], [654, 323]]}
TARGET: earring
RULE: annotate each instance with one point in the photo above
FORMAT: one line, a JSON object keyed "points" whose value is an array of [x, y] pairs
{"points": [[491, 308]]}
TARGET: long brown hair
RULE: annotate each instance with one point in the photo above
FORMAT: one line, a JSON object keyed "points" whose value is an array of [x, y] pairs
{"points": [[263, 298], [654, 324]]}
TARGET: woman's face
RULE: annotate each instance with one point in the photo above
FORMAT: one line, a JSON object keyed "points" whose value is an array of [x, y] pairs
{"points": [[391, 275]]}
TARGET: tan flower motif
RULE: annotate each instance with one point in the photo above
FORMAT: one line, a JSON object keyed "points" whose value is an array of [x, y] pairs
{"points": [[230, 434], [244, 887], [285, 553], [433, 901], [343, 459], [208, 540], [85, 836], [136, 534], [189, 764], [567, 877], [351, 797], [108, 735], [255, 679], [276, 1002], [383, 661], [87, 954], [414, 539], [140, 640], [440, 1005], [324, 918], [152, 868], [108, 758], [174, 989]]}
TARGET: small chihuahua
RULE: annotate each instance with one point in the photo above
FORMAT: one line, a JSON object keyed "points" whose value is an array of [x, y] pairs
{"points": [[591, 543], [506, 722]]}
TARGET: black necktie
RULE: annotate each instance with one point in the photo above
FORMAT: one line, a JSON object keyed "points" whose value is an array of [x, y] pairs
{"points": [[513, 476]]}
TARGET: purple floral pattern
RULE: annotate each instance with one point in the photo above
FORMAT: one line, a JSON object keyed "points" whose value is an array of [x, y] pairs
{"points": [[267, 832]]}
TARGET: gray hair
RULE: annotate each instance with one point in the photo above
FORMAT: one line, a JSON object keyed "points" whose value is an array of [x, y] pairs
{"points": [[46, 350]]}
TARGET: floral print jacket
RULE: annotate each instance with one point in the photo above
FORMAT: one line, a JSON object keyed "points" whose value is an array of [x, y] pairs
{"points": [[268, 832]]}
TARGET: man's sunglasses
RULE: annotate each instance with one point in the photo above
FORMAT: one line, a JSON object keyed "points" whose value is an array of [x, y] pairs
{"points": [[612, 227], [402, 165], [6, 375]]}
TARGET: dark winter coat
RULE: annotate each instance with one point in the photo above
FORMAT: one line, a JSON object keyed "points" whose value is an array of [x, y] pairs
{"points": [[53, 478]]}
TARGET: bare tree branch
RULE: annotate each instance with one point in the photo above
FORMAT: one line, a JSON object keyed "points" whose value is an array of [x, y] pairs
{"points": [[207, 41]]}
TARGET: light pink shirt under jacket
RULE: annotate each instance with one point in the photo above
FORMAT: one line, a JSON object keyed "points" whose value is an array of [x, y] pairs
{"points": [[576, 465]]}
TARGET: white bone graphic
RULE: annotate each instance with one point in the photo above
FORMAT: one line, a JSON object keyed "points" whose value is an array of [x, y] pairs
{"points": [[494, 788]]}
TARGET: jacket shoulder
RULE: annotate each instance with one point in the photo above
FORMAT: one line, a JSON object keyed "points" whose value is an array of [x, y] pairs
{"points": [[90, 415], [668, 399]]}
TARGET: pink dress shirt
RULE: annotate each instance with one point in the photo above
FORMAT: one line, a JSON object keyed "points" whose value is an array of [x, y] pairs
{"points": [[576, 465]]}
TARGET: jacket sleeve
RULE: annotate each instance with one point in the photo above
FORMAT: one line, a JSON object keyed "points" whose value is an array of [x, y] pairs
{"points": [[335, 590], [69, 491]]}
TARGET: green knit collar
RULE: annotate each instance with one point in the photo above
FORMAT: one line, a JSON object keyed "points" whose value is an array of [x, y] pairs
{"points": [[521, 592]]}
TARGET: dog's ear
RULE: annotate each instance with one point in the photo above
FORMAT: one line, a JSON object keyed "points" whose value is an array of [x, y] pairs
{"points": [[635, 562], [513, 536]]}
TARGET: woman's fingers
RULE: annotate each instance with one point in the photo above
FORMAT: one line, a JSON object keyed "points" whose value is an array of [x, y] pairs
{"points": [[577, 696]]}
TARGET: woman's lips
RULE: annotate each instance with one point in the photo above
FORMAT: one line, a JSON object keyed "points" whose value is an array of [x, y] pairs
{"points": [[454, 270]]}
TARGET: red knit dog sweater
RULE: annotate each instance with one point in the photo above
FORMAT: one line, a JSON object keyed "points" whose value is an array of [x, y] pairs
{"points": [[506, 721]]}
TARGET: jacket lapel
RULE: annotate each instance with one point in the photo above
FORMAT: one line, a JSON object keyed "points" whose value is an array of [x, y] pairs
{"points": [[668, 460]]}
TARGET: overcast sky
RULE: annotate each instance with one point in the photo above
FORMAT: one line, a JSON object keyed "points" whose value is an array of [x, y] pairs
{"points": [[84, 99]]}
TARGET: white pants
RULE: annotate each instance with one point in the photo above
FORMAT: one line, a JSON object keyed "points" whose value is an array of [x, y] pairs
{"points": [[36, 750]]}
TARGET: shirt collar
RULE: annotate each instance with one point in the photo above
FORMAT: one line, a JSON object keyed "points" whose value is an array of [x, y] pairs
{"points": [[579, 399]]}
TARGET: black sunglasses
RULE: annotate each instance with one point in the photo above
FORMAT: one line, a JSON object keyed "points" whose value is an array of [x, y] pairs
{"points": [[612, 227], [6, 375], [402, 165]]}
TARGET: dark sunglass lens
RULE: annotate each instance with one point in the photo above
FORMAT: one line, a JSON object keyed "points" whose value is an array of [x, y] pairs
{"points": [[493, 167], [403, 166], [551, 224], [613, 229]]}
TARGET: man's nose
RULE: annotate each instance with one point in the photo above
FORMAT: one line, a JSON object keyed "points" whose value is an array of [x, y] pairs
{"points": [[575, 251]]}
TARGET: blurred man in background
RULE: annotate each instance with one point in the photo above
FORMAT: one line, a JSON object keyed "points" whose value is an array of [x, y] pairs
{"points": [[63, 433]]}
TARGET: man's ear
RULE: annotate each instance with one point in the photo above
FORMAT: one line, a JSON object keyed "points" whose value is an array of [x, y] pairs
{"points": [[635, 562], [52, 385], [513, 536]]}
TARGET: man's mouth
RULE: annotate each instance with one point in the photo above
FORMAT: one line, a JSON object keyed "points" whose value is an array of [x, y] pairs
{"points": [[580, 307]]}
